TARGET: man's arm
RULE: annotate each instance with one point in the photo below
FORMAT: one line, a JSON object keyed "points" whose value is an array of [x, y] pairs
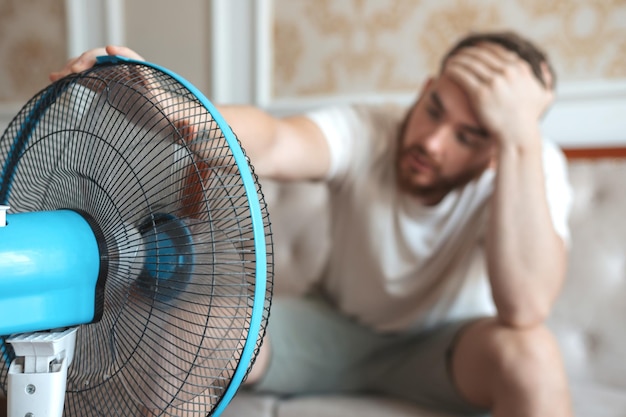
{"points": [[291, 148], [526, 258]]}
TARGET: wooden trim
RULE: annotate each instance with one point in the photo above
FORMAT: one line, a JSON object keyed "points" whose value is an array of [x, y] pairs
{"points": [[595, 153]]}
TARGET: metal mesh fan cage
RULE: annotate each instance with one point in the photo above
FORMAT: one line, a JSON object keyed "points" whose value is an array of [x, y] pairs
{"points": [[151, 162]]}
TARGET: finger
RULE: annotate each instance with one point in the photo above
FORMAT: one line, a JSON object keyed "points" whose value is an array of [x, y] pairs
{"points": [[470, 67], [486, 57], [123, 51], [76, 65], [459, 72], [547, 76], [503, 54], [56, 75], [515, 66], [88, 60]]}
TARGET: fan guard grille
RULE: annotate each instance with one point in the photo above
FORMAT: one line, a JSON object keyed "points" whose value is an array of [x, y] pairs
{"points": [[134, 148]]}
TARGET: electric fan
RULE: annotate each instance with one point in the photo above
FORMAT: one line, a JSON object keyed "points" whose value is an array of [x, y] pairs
{"points": [[136, 256]]}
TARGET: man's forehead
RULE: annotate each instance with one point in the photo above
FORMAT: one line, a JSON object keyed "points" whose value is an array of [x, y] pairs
{"points": [[448, 93], [450, 98]]}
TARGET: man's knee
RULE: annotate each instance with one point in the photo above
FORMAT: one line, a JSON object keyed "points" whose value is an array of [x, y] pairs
{"points": [[521, 356], [526, 350], [490, 356]]}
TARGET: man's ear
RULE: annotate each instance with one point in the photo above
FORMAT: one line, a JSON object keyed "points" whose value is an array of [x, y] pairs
{"points": [[493, 158], [428, 82], [546, 74]]}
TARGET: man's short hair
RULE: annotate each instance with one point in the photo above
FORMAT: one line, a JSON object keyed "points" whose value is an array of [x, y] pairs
{"points": [[512, 41]]}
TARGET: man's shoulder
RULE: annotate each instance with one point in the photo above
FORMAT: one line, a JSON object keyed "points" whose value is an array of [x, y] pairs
{"points": [[368, 113], [381, 122], [382, 112]]}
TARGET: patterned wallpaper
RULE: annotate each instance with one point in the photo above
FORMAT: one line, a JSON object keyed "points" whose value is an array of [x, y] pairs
{"points": [[326, 47], [32, 44], [357, 46]]}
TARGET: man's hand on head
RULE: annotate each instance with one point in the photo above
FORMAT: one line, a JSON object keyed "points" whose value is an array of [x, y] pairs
{"points": [[507, 97]]}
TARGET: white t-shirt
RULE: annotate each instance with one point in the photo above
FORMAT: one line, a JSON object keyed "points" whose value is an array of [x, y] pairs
{"points": [[395, 265]]}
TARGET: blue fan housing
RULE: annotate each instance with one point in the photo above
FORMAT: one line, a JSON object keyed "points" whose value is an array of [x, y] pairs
{"points": [[50, 264]]}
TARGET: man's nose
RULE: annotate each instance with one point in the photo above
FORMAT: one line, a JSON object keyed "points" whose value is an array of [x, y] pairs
{"points": [[435, 142]]}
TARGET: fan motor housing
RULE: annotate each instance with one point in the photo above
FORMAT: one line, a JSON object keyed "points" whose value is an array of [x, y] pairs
{"points": [[49, 268]]}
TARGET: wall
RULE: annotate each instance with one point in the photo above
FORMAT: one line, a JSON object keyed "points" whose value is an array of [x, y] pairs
{"points": [[32, 44], [174, 34], [291, 55], [37, 37], [327, 47], [307, 53]]}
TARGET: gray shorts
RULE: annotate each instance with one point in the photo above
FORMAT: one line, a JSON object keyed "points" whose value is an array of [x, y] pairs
{"points": [[317, 350]]}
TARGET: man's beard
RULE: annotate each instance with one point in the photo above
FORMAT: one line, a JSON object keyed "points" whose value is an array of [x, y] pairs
{"points": [[427, 190], [438, 186], [403, 176]]}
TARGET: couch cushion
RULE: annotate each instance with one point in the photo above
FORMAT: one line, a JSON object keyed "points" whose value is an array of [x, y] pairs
{"points": [[247, 404], [258, 405], [588, 317], [593, 400]]}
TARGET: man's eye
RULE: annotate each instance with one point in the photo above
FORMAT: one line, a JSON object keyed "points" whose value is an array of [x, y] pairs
{"points": [[468, 140], [433, 113]]}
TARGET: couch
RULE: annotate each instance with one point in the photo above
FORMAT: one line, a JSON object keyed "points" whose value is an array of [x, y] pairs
{"points": [[589, 318]]}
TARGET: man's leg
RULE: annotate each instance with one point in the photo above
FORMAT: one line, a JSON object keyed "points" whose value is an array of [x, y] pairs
{"points": [[311, 348], [513, 372], [261, 363]]}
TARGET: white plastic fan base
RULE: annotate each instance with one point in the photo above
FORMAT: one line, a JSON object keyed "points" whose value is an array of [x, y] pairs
{"points": [[36, 387], [3, 215]]}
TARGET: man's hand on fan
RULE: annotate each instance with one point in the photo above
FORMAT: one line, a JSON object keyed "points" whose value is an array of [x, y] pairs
{"points": [[88, 59]]}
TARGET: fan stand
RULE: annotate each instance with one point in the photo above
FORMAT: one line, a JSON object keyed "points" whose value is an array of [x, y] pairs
{"points": [[142, 213], [38, 375], [3, 215]]}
